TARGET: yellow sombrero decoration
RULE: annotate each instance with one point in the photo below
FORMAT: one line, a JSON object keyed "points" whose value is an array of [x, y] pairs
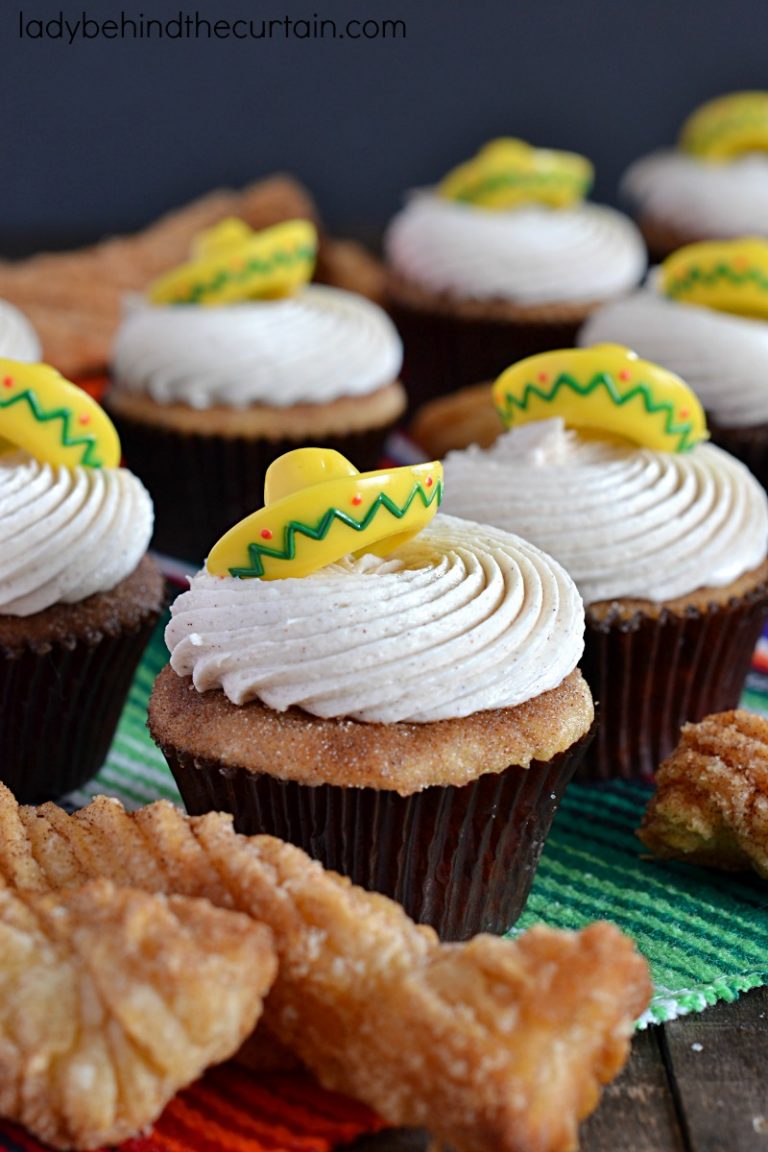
{"points": [[55, 421], [728, 275], [728, 126], [318, 508], [508, 172], [231, 262], [606, 388]]}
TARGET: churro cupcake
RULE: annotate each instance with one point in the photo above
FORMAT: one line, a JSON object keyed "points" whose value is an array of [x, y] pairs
{"points": [[398, 695], [233, 359], [502, 259], [78, 596], [665, 536], [713, 185], [704, 314]]}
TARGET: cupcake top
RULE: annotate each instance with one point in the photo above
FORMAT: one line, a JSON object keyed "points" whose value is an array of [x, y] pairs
{"points": [[459, 619], [72, 522], [209, 335], [18, 339], [702, 333], [626, 520], [715, 183], [495, 230]]}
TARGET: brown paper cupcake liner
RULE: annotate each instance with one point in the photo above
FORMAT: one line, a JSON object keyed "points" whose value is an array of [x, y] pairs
{"points": [[444, 352], [60, 709], [202, 485], [459, 858], [750, 445], [650, 675]]}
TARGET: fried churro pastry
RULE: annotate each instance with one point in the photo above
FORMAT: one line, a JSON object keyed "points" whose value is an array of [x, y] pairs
{"points": [[496, 1046], [711, 803], [111, 999], [73, 298]]}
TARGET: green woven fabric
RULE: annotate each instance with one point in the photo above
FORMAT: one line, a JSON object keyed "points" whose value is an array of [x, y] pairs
{"points": [[704, 933]]}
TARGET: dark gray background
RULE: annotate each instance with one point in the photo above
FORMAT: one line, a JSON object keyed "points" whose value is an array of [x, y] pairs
{"points": [[101, 136]]}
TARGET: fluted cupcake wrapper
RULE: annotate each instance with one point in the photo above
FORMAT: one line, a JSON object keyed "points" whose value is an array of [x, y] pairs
{"points": [[750, 445], [459, 858], [650, 675], [60, 709], [445, 352], [202, 485]]}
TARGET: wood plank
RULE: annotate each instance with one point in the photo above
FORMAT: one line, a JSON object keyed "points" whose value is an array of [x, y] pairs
{"points": [[718, 1061], [637, 1111]]}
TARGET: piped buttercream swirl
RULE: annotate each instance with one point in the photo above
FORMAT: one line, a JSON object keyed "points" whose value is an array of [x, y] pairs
{"points": [[529, 255], [704, 200], [18, 339], [311, 348], [66, 533], [625, 522], [723, 357], [462, 619]]}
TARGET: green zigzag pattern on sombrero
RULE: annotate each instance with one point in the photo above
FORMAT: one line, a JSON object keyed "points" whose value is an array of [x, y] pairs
{"points": [[89, 457], [286, 259], [519, 179], [603, 380], [698, 275], [326, 521]]}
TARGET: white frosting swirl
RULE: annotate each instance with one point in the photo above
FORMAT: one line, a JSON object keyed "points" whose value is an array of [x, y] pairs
{"points": [[528, 255], [724, 358], [18, 339], [311, 348], [462, 619], [704, 200], [625, 522], [66, 533]]}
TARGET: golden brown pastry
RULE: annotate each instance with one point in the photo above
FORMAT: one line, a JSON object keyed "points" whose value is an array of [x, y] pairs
{"points": [[456, 421], [73, 298], [711, 802], [112, 999], [496, 1046]]}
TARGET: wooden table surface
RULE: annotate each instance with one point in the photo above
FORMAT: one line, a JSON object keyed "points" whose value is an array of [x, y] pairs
{"points": [[697, 1084]]}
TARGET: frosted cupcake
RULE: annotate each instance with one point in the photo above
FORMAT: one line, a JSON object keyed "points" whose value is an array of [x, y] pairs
{"points": [[704, 314], [714, 185], [78, 596], [503, 258], [665, 536], [233, 359], [406, 707]]}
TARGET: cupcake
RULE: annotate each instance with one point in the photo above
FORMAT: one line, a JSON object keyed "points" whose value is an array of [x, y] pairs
{"points": [[664, 534], [704, 314], [234, 358], [714, 185], [396, 694], [502, 259], [78, 597]]}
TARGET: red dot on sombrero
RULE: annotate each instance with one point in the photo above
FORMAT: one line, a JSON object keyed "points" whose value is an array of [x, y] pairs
{"points": [[625, 374], [684, 413], [429, 481], [543, 377], [85, 419], [266, 534], [8, 382], [357, 498]]}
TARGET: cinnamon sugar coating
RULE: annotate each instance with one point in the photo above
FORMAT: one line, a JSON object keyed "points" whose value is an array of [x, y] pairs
{"points": [[495, 1045], [403, 757], [711, 804], [112, 999]]}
